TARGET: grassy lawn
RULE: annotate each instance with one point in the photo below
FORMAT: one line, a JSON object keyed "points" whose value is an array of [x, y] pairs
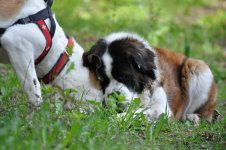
{"points": [[194, 27]]}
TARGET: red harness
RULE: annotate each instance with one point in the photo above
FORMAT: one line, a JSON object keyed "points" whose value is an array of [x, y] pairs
{"points": [[44, 28], [61, 62], [59, 65]]}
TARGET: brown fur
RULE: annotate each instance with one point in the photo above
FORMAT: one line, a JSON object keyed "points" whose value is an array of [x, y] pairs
{"points": [[175, 70], [9, 8], [93, 80], [169, 65]]}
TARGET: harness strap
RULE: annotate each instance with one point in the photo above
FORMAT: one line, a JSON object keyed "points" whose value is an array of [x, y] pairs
{"points": [[59, 65], [53, 24], [38, 19], [44, 28], [41, 15]]}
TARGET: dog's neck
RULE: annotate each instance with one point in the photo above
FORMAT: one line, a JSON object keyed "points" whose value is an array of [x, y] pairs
{"points": [[12, 10]]}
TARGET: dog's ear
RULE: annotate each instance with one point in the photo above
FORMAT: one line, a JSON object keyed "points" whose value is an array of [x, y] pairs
{"points": [[92, 58], [99, 47], [86, 60], [94, 63], [144, 63], [97, 64]]}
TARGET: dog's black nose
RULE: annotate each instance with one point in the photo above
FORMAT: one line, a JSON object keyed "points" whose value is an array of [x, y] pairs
{"points": [[116, 100]]}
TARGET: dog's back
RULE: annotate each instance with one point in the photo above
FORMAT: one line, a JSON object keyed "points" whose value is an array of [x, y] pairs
{"points": [[8, 8]]}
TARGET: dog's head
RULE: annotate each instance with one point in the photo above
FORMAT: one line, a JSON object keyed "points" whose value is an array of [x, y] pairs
{"points": [[122, 58]]}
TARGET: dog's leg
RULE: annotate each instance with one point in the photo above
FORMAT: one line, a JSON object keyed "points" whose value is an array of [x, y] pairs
{"points": [[153, 105], [194, 118], [201, 89], [157, 105], [206, 110], [21, 55]]}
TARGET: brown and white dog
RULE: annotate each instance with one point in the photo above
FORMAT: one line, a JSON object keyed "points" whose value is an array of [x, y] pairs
{"points": [[24, 43], [166, 82]]}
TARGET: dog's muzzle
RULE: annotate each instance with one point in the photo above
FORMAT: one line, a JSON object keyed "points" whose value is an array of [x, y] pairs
{"points": [[116, 101]]}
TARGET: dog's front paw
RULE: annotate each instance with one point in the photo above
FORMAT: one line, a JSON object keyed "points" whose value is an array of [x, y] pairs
{"points": [[116, 100], [194, 118], [36, 102]]}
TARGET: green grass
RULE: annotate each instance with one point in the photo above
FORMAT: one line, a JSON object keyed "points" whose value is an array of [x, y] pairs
{"points": [[194, 27]]}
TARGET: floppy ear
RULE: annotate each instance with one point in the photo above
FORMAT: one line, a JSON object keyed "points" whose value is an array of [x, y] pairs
{"points": [[97, 63], [92, 58], [96, 51], [99, 47], [94, 63], [145, 63]]}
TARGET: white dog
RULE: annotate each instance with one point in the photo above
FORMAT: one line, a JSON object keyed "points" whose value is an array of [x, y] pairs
{"points": [[37, 49]]}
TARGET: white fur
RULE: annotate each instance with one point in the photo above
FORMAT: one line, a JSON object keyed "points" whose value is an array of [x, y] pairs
{"points": [[199, 87], [155, 104], [108, 63], [78, 78], [24, 43], [152, 105], [123, 35]]}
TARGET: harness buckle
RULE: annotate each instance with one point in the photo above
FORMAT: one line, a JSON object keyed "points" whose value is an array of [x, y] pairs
{"points": [[26, 20]]}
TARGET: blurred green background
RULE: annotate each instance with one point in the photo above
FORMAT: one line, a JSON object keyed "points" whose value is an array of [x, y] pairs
{"points": [[196, 28], [172, 23]]}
